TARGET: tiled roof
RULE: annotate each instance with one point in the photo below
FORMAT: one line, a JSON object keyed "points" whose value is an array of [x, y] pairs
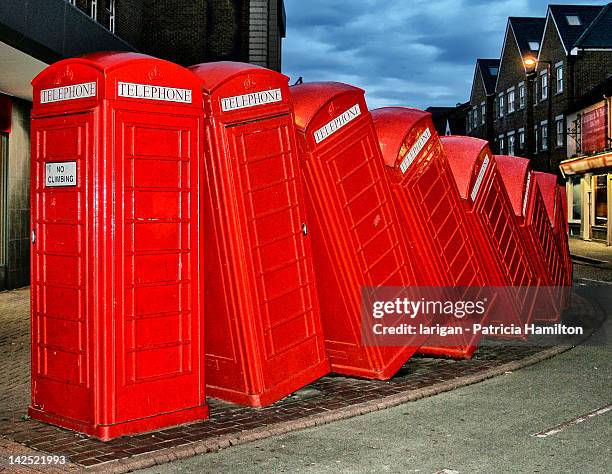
{"points": [[599, 33], [527, 30], [486, 67], [571, 33]]}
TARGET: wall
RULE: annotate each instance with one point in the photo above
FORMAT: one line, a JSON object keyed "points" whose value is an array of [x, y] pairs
{"points": [[511, 74], [552, 50], [18, 197]]}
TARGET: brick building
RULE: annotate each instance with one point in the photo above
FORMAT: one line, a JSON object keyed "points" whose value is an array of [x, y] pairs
{"points": [[449, 120], [588, 168], [571, 52], [513, 111], [38, 32], [482, 99], [565, 70]]}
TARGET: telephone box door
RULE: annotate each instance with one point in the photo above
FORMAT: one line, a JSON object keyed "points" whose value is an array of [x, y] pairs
{"points": [[62, 149], [156, 331], [268, 180]]}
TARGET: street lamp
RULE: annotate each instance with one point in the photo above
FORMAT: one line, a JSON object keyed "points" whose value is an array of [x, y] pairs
{"points": [[531, 65]]}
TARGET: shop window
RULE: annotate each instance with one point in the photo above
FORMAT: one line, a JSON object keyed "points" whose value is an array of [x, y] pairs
{"points": [[601, 199], [576, 196]]}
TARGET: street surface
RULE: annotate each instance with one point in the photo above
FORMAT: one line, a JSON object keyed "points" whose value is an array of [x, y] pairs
{"points": [[484, 428]]}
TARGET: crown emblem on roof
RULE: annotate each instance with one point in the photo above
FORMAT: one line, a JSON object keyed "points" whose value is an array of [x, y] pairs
{"points": [[332, 109], [154, 73], [249, 83], [65, 76]]}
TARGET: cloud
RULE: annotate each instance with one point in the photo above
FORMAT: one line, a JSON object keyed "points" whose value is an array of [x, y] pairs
{"points": [[418, 53]]}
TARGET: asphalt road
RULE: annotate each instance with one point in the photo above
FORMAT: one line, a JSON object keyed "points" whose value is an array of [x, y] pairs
{"points": [[483, 428]]}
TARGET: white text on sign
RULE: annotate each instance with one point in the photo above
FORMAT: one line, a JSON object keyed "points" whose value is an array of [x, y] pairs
{"points": [[415, 150], [72, 92], [61, 174], [251, 100], [337, 123], [150, 92], [481, 173]]}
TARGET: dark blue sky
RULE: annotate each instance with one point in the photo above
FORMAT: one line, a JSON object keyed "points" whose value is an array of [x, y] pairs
{"points": [[402, 52]]}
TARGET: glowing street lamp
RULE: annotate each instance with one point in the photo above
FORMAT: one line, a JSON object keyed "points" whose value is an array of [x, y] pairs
{"points": [[530, 65]]}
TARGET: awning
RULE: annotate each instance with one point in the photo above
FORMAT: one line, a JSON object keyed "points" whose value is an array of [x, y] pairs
{"points": [[584, 164]]}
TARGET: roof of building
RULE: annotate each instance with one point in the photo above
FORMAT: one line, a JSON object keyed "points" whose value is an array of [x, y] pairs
{"points": [[571, 33], [487, 66], [599, 33], [527, 30]]}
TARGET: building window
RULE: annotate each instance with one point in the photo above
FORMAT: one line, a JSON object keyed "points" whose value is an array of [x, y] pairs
{"points": [[535, 138], [522, 95], [559, 76], [510, 100], [544, 84], [544, 134], [534, 45], [500, 104], [483, 112], [475, 117], [576, 197], [573, 20], [93, 9], [511, 143], [109, 5], [601, 199], [560, 131], [501, 144], [493, 71], [521, 134]]}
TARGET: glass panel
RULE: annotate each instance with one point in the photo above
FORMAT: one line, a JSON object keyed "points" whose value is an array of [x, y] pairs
{"points": [[3, 196], [576, 199], [601, 199]]}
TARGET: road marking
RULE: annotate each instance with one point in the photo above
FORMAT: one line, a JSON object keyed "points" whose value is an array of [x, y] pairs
{"points": [[597, 281], [566, 424]]}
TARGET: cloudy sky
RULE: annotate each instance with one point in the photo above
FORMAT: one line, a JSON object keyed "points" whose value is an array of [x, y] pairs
{"points": [[402, 52]]}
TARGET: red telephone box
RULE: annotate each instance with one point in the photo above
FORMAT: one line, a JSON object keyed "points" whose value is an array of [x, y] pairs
{"points": [[494, 225], [532, 219], [555, 208], [116, 288], [356, 239], [564, 229], [430, 207], [264, 338]]}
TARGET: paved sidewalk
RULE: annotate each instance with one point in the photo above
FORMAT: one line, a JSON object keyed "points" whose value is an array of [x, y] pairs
{"points": [[330, 398], [590, 249]]}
